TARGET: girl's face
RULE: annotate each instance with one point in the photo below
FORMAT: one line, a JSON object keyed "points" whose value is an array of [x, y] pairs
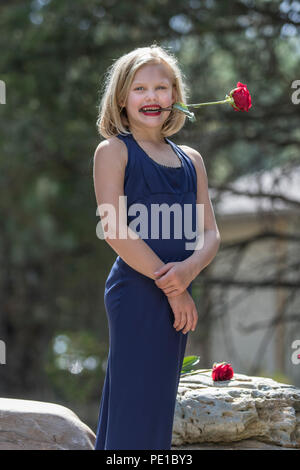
{"points": [[151, 85]]}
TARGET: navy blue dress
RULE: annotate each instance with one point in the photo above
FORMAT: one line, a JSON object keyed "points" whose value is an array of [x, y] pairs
{"points": [[145, 350]]}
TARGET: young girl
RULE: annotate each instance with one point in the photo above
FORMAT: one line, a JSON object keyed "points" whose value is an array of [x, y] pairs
{"points": [[149, 315]]}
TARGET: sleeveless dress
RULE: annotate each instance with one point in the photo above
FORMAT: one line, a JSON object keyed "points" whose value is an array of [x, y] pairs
{"points": [[145, 350]]}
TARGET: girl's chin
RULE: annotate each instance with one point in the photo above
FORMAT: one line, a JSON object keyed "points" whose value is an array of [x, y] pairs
{"points": [[152, 117]]}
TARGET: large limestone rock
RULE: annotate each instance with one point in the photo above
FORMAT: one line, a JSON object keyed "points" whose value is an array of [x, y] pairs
{"points": [[35, 425], [253, 410], [245, 412]]}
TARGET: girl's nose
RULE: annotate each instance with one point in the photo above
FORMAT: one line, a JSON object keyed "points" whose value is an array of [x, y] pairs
{"points": [[151, 94]]}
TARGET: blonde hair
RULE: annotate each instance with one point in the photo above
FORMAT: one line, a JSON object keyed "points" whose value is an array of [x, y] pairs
{"points": [[112, 117]]}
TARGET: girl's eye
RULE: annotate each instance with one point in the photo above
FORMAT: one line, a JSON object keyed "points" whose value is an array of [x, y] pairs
{"points": [[143, 87]]}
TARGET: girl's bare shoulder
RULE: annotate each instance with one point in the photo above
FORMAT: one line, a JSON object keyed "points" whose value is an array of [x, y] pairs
{"points": [[114, 149], [194, 155]]}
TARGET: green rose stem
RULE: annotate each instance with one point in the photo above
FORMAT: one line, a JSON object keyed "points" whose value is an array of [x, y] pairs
{"points": [[196, 372], [184, 108], [229, 99]]}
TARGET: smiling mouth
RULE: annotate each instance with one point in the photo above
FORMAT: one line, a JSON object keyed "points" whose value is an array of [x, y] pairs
{"points": [[149, 110], [152, 110]]}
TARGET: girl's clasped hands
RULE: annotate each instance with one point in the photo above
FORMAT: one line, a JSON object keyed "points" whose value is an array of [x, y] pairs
{"points": [[174, 278]]}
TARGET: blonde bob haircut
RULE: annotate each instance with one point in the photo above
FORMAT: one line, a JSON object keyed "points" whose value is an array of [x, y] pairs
{"points": [[112, 117]]}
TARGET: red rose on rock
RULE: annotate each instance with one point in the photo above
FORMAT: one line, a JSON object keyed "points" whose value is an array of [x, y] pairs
{"points": [[241, 97], [222, 371]]}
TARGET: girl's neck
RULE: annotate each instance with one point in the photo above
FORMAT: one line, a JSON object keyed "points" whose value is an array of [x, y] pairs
{"points": [[148, 138]]}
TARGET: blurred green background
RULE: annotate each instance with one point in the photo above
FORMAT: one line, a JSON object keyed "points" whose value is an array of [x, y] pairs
{"points": [[53, 59]]}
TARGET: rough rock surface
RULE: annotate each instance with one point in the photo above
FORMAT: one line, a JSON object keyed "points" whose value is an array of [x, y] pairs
{"points": [[254, 409], [242, 413], [35, 425]]}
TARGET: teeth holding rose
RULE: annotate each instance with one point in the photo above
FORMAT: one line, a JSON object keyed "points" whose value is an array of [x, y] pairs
{"points": [[143, 110], [150, 109]]}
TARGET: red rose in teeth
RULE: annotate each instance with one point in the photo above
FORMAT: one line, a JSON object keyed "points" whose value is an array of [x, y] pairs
{"points": [[241, 97]]}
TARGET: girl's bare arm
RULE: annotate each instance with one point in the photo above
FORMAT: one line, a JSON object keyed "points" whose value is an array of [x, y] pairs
{"points": [[211, 236], [108, 174]]}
